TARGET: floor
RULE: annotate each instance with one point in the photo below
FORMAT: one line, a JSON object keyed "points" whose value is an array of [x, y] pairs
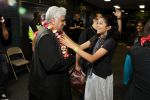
{"points": [[17, 89]]}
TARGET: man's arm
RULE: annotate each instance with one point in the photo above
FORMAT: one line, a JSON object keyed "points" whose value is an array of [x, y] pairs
{"points": [[5, 33]]}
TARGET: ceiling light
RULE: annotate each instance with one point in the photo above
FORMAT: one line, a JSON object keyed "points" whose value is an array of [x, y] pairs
{"points": [[126, 13], [107, 0], [141, 6], [116, 6]]}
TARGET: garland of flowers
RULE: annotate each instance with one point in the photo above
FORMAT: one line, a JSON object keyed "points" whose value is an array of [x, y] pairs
{"points": [[145, 39], [64, 48]]}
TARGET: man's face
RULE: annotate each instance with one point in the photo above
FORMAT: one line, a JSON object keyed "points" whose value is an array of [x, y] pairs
{"points": [[60, 23], [139, 27], [77, 16]]}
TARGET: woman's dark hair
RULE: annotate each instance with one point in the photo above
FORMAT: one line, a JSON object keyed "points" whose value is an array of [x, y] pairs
{"points": [[140, 21], [94, 14], [113, 32]]}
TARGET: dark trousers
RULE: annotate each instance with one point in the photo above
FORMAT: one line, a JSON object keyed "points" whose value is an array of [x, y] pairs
{"points": [[3, 73]]}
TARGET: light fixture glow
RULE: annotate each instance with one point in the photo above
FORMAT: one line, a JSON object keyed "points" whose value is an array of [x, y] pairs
{"points": [[22, 10], [107, 0], [141, 6]]}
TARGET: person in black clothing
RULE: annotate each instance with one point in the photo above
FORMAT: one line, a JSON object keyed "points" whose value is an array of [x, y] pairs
{"points": [[34, 25], [36, 21], [139, 88], [76, 27], [4, 36], [85, 36], [49, 79], [99, 84]]}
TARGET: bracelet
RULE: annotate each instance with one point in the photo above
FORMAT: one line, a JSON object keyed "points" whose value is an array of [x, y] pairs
{"points": [[75, 49]]}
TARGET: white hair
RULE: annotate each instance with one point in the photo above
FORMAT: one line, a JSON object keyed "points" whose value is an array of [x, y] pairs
{"points": [[54, 12]]}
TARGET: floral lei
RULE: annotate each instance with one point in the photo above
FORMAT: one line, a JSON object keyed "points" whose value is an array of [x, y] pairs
{"points": [[64, 49], [145, 39]]}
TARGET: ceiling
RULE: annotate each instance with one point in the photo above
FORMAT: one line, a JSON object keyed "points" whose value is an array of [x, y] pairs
{"points": [[124, 4]]}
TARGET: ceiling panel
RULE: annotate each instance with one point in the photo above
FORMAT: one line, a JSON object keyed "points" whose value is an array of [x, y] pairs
{"points": [[124, 4]]}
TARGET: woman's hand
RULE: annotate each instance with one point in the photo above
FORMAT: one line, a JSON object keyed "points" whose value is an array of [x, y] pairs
{"points": [[66, 41], [117, 13]]}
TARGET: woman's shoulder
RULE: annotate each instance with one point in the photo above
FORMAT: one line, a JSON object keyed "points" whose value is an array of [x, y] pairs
{"points": [[110, 40]]}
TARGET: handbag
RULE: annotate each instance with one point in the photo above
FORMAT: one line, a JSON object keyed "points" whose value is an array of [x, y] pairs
{"points": [[77, 80]]}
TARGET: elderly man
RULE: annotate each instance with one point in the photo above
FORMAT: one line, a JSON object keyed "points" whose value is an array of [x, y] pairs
{"points": [[49, 79]]}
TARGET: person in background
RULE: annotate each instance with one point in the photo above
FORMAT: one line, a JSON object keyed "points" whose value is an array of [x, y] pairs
{"points": [[99, 84], [86, 35], [49, 78], [4, 35], [135, 37], [76, 27], [34, 25], [139, 56]]}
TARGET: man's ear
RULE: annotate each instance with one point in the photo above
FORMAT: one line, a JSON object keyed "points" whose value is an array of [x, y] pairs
{"points": [[109, 27], [52, 21]]}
